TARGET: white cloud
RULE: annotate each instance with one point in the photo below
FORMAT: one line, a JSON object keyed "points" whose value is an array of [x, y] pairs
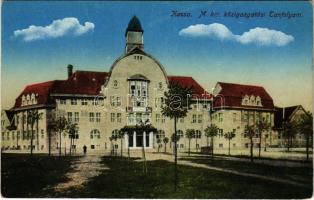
{"points": [[58, 28], [258, 36]]}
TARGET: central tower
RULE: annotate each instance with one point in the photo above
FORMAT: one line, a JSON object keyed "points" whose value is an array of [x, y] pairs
{"points": [[134, 35]]}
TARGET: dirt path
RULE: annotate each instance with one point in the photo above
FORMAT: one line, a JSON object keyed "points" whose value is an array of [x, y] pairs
{"points": [[84, 168]]}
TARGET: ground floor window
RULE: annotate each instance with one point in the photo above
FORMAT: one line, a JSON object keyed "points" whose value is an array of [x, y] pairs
{"points": [[92, 146]]}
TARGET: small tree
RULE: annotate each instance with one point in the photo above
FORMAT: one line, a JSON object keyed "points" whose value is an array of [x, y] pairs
{"points": [[211, 131], [121, 136], [229, 136], [71, 130], [261, 126], [60, 125], [174, 139], [165, 141], [177, 100], [250, 132], [33, 117], [158, 143], [305, 127], [190, 133], [288, 131]]}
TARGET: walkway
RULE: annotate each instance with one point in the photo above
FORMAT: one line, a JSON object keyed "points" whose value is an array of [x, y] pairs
{"points": [[84, 168], [154, 156]]}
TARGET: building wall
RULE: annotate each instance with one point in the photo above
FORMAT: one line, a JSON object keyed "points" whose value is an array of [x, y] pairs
{"points": [[236, 120]]}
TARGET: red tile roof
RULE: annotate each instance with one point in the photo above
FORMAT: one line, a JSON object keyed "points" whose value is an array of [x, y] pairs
{"points": [[187, 81], [40, 89], [81, 82], [231, 95]]}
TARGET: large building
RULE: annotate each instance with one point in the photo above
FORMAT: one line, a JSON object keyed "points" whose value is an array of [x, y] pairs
{"points": [[101, 103]]}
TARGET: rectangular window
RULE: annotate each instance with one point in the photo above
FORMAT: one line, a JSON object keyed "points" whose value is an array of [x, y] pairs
{"points": [[91, 117], [69, 116], [76, 117], [119, 117], [62, 101], [17, 120], [42, 134], [112, 117], [118, 101], [138, 118], [220, 116], [112, 101], [73, 101], [98, 117], [193, 118], [84, 102], [163, 119], [200, 118], [234, 116], [131, 118], [157, 118]]}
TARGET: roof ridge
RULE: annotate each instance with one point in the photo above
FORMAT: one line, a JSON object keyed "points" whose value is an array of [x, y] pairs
{"points": [[241, 84], [89, 71]]}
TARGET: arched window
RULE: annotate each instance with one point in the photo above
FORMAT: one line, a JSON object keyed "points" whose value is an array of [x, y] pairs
{"points": [[160, 134], [198, 134], [115, 133], [180, 133], [258, 101], [28, 99], [252, 100], [95, 134]]}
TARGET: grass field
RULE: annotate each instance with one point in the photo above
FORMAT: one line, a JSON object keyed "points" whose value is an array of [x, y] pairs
{"points": [[299, 174], [125, 179], [23, 176]]}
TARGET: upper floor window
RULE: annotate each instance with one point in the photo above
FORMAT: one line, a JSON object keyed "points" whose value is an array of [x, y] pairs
{"points": [[180, 134], [198, 134], [70, 116], [193, 118], [98, 117], [138, 89], [115, 84], [95, 134], [84, 102], [62, 101], [73, 101], [160, 134], [200, 118], [91, 117], [76, 117]]}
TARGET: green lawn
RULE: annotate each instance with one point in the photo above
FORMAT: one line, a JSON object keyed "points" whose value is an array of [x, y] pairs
{"points": [[23, 176], [125, 179], [299, 174]]}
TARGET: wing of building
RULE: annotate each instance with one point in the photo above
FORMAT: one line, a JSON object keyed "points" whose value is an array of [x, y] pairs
{"points": [[131, 92]]}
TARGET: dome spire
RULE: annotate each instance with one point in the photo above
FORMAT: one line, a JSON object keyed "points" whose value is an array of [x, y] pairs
{"points": [[134, 25]]}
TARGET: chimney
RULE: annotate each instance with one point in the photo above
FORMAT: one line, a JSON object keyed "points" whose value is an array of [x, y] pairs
{"points": [[70, 70]]}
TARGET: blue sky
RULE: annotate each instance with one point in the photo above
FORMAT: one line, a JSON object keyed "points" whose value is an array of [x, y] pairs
{"points": [[285, 71]]}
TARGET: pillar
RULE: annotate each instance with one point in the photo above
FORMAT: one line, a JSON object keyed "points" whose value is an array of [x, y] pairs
{"points": [[144, 139], [151, 137], [134, 139]]}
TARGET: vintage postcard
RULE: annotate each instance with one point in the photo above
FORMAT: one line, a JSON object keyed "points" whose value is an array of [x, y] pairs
{"points": [[157, 99]]}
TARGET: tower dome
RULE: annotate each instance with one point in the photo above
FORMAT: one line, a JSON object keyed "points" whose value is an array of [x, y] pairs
{"points": [[134, 35], [134, 25]]}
